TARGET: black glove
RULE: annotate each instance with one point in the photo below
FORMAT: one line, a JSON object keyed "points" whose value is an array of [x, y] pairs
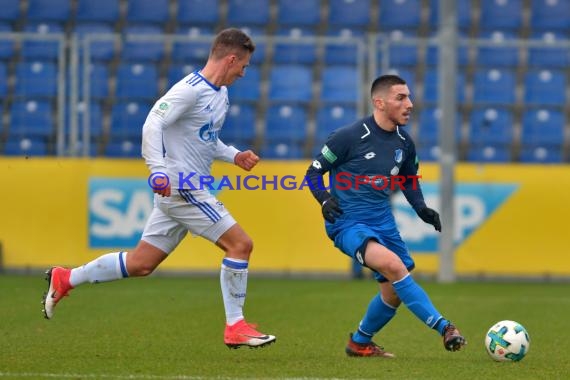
{"points": [[431, 217], [331, 209]]}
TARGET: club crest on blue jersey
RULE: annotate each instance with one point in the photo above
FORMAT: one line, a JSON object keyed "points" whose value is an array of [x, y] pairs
{"points": [[399, 156]]}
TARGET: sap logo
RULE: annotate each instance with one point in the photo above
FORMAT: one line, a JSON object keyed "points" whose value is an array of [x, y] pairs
{"points": [[118, 210], [473, 205]]}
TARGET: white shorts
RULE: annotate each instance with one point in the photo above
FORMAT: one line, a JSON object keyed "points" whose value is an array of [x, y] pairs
{"points": [[196, 211]]}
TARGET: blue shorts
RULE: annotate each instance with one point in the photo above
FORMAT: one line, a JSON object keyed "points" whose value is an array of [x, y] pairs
{"points": [[352, 240]]}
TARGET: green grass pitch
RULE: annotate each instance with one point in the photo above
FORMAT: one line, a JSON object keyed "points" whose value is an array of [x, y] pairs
{"points": [[172, 328]]}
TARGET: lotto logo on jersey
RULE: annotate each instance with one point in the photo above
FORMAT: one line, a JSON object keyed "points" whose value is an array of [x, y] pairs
{"points": [[118, 210], [473, 204]]}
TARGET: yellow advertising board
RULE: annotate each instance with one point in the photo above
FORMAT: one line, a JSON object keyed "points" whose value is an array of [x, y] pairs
{"points": [[510, 219]]}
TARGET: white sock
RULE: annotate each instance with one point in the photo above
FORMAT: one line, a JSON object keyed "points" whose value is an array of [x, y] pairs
{"points": [[109, 267], [233, 279]]}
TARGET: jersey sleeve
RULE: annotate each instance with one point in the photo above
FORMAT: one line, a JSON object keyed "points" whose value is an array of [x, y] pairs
{"points": [[332, 154], [412, 188], [164, 113], [225, 152]]}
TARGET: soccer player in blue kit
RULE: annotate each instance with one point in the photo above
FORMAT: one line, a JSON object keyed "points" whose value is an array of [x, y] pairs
{"points": [[366, 162]]}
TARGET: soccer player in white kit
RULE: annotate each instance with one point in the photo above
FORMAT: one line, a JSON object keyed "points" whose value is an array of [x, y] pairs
{"points": [[180, 137]]}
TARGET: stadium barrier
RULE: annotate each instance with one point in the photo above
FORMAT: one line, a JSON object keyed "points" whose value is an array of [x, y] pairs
{"points": [[510, 219]]}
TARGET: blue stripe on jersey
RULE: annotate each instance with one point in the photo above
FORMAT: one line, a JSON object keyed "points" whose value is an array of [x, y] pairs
{"points": [[206, 208], [216, 88], [233, 264], [123, 265], [195, 79]]}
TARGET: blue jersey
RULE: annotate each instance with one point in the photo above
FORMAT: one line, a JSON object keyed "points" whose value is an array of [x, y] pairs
{"points": [[366, 164]]}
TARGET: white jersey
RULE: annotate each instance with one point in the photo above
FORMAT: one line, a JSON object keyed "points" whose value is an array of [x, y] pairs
{"points": [[186, 122]]}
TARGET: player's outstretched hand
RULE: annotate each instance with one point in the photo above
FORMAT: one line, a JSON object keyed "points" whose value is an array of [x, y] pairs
{"points": [[431, 217], [331, 210], [246, 160]]}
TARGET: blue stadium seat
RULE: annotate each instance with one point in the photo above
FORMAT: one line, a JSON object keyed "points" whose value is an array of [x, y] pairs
{"points": [[431, 85], [286, 123], [545, 87], [398, 14], [248, 88], [541, 155], [332, 117], [10, 10], [95, 120], [428, 127], [98, 81], [127, 119], [31, 118], [549, 56], [99, 50], [137, 81], [7, 50], [295, 51], [290, 83], [490, 126], [428, 153], [37, 49], [542, 136], [549, 15], [281, 151], [176, 72], [100, 11], [49, 10], [25, 146], [123, 148], [432, 53], [494, 86], [3, 81], [196, 45], [306, 12], [464, 18], [248, 12], [340, 84], [497, 54], [239, 126], [501, 14], [489, 153], [148, 11], [542, 127], [36, 79], [142, 50], [346, 51], [400, 53], [349, 13], [198, 12]]}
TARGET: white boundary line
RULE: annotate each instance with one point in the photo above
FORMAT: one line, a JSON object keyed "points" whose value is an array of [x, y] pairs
{"points": [[143, 377]]}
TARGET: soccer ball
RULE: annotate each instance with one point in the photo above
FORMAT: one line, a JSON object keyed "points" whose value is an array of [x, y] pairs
{"points": [[507, 341]]}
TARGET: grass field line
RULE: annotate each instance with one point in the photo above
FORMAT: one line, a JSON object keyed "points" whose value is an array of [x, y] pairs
{"points": [[147, 377]]}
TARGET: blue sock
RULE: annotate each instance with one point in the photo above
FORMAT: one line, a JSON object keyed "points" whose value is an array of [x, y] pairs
{"points": [[417, 300], [377, 316]]}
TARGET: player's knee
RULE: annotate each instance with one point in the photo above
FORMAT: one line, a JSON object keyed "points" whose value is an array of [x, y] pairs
{"points": [[242, 248]]}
